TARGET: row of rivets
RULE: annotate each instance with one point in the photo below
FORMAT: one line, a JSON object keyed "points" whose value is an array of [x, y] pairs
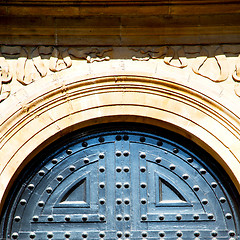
{"points": [[125, 153], [119, 185], [125, 169], [119, 234], [158, 160], [179, 217], [126, 234], [159, 143], [118, 153], [32, 235], [119, 201], [67, 217], [125, 137], [119, 217]]}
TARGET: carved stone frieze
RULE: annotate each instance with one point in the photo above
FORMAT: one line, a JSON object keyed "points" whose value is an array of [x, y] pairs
{"points": [[25, 64], [178, 54], [5, 77], [212, 55]]}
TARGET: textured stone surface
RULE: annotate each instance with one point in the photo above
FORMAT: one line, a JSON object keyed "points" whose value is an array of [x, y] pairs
{"points": [[121, 23]]}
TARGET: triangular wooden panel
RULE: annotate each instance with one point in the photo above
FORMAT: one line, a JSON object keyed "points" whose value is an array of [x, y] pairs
{"points": [[78, 193], [168, 193]]}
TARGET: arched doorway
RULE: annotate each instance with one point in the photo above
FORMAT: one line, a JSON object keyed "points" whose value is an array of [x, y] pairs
{"points": [[122, 181]]}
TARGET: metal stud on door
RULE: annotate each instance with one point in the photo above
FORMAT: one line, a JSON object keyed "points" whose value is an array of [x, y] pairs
{"points": [[121, 185]]}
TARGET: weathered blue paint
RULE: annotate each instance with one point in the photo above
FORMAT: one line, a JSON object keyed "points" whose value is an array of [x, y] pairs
{"points": [[122, 185]]}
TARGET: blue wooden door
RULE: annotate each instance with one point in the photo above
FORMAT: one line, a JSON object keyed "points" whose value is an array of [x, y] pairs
{"points": [[121, 185]]}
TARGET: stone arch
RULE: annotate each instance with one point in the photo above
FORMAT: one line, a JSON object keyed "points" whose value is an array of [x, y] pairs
{"points": [[36, 118]]}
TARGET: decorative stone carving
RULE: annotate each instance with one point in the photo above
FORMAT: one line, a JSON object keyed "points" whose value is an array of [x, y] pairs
{"points": [[236, 77], [149, 53], [38, 63], [140, 59], [87, 53], [57, 64], [83, 53], [212, 55], [26, 72], [29, 64], [173, 55], [236, 73], [176, 57], [91, 60], [5, 77]]}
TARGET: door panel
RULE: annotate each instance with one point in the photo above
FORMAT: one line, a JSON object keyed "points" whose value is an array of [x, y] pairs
{"points": [[121, 185]]}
